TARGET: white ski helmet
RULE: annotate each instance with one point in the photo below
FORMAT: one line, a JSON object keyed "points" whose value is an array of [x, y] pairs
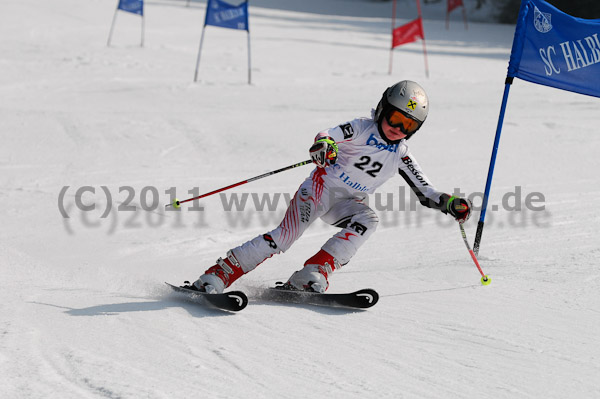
{"points": [[410, 99]]}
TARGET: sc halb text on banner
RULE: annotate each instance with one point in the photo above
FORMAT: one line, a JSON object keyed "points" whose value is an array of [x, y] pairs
{"points": [[555, 49]]}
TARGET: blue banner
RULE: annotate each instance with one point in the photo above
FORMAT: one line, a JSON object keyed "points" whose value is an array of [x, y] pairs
{"points": [[555, 49], [132, 6], [225, 15]]}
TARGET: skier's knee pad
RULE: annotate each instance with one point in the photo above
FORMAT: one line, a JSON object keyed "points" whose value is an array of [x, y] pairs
{"points": [[356, 231]]}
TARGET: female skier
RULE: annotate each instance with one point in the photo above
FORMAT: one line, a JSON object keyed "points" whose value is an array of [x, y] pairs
{"points": [[352, 160]]}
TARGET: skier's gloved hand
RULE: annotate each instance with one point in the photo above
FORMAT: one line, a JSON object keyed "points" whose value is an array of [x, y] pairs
{"points": [[324, 152], [459, 208]]}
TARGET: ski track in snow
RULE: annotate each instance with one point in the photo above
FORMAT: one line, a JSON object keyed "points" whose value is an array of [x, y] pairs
{"points": [[84, 311]]}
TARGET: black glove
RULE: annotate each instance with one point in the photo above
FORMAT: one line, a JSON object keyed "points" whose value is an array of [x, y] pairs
{"points": [[459, 208], [324, 152]]}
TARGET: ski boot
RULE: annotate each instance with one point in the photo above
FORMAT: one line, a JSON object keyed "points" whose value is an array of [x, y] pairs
{"points": [[313, 276], [220, 276]]}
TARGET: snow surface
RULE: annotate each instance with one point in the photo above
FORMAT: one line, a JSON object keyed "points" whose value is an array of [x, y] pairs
{"points": [[84, 312]]}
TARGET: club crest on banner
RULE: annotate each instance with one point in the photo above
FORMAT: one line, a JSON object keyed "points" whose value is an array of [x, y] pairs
{"points": [[541, 21]]}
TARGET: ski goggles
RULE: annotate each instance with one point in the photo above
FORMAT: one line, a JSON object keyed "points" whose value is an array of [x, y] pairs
{"points": [[397, 118]]}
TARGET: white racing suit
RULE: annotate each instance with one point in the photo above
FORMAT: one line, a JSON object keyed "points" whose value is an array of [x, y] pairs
{"points": [[335, 194]]}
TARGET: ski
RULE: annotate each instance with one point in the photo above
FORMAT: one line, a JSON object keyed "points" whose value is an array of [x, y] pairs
{"points": [[360, 299], [233, 300]]}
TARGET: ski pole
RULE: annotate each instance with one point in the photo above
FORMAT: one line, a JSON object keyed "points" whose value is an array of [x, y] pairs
{"points": [[485, 280], [176, 203]]}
